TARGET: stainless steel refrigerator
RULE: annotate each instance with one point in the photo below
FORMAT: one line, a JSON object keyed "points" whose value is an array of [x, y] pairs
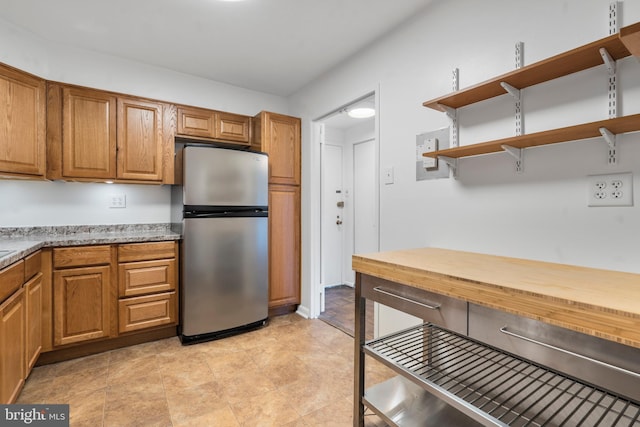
{"points": [[223, 204]]}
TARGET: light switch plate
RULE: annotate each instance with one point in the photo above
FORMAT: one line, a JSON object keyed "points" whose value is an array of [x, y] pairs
{"points": [[428, 145], [387, 174]]}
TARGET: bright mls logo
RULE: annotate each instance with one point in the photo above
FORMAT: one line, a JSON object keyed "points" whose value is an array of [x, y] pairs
{"points": [[34, 415]]}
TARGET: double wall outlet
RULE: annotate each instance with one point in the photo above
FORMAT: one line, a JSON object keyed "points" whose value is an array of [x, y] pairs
{"points": [[118, 201], [610, 190]]}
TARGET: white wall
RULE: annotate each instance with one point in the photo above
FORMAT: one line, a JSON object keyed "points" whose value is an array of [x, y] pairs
{"points": [[36, 203], [40, 203], [541, 214]]}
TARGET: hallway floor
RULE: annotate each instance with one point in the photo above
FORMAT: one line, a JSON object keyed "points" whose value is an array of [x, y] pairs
{"points": [[294, 372], [340, 312]]}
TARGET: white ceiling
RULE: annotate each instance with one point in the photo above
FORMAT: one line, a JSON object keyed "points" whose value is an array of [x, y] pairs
{"points": [[273, 46]]}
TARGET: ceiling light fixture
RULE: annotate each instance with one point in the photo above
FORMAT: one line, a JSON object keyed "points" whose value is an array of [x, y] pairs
{"points": [[361, 113]]}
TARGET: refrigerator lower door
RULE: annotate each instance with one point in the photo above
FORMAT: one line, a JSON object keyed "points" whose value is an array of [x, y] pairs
{"points": [[224, 275]]}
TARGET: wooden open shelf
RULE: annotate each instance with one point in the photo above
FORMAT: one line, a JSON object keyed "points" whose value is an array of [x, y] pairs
{"points": [[630, 36], [621, 45], [572, 133]]}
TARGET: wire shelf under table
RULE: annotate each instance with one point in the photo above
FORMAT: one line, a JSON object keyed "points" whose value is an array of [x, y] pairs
{"points": [[497, 388]]}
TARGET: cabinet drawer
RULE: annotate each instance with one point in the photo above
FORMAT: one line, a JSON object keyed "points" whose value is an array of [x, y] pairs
{"points": [[11, 278], [32, 265], [147, 311], [139, 278], [146, 251], [557, 347], [81, 256], [441, 310]]}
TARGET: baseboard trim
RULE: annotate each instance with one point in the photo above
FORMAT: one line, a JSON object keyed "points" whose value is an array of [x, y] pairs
{"points": [[90, 348], [303, 311]]}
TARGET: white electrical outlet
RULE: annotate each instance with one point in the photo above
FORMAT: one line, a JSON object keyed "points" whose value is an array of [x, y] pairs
{"points": [[610, 190], [118, 201]]}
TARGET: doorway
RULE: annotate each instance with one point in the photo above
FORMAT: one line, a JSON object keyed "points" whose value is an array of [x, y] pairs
{"points": [[348, 208]]}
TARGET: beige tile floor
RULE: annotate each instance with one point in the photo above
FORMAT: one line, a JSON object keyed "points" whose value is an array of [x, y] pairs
{"points": [[293, 372]]}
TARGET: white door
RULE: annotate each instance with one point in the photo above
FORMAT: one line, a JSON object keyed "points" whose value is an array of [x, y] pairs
{"points": [[332, 217], [364, 198]]}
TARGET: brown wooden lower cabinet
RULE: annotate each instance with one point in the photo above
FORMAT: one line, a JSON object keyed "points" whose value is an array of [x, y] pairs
{"points": [[12, 347], [20, 324], [33, 308], [148, 280], [83, 301], [284, 245], [84, 305], [103, 291]]}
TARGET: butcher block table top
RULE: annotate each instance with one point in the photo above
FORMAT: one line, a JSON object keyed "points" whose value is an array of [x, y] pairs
{"points": [[601, 303]]}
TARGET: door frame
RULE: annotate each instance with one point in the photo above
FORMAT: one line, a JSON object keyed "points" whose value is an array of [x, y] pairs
{"points": [[315, 250], [324, 201]]}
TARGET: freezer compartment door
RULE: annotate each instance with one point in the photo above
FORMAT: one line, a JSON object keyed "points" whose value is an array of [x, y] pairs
{"points": [[225, 274], [224, 177]]}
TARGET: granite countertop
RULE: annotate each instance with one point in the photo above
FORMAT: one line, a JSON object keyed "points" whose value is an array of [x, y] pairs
{"points": [[602, 303], [23, 241]]}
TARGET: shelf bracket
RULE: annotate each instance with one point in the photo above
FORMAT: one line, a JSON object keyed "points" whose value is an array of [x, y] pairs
{"points": [[516, 153], [512, 90], [610, 139], [452, 163], [452, 113], [609, 62]]}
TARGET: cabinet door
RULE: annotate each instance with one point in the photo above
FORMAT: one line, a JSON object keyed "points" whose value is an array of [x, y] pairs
{"points": [[12, 347], [140, 142], [232, 127], [88, 134], [284, 245], [82, 301], [23, 123], [33, 306], [196, 122], [281, 139]]}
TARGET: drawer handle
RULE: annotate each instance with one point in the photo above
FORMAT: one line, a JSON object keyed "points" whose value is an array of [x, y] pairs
{"points": [[393, 294], [504, 330]]}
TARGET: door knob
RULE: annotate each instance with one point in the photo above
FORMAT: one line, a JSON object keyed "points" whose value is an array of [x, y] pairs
{"points": [[338, 221]]}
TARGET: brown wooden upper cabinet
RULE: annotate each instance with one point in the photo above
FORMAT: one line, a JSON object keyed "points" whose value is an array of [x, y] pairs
{"points": [[97, 135], [206, 124], [140, 146], [279, 136], [23, 125]]}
